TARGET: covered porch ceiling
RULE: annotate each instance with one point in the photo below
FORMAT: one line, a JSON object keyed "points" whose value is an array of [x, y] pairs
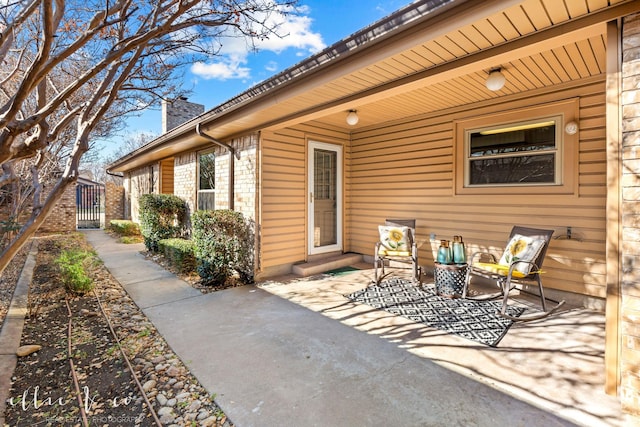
{"points": [[430, 56], [537, 44]]}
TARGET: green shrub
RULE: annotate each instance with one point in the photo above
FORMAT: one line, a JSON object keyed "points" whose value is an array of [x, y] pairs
{"points": [[73, 265], [124, 227], [162, 216], [224, 243], [130, 240], [180, 253]]}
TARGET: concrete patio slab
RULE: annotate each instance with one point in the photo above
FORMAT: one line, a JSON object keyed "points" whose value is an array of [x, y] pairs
{"points": [[274, 363], [556, 364], [296, 352]]}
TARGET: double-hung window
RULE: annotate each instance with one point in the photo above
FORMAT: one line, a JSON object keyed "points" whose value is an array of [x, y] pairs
{"points": [[206, 180]]}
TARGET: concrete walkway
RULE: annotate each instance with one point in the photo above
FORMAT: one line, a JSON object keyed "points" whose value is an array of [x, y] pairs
{"points": [[270, 362]]}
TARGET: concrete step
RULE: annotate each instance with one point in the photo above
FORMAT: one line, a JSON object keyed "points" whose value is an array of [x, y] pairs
{"points": [[327, 264]]}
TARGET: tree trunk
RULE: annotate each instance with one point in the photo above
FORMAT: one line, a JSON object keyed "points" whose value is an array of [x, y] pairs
{"points": [[38, 216]]}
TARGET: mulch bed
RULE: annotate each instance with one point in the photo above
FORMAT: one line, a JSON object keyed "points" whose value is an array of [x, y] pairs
{"points": [[191, 277], [9, 278], [108, 393]]}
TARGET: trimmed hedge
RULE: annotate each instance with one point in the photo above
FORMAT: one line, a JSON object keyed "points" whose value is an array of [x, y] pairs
{"points": [[162, 216], [224, 244], [180, 253], [124, 227]]}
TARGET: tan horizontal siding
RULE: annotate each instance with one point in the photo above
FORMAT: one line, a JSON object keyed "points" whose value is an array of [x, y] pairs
{"points": [[283, 195], [284, 191], [166, 172], [405, 170], [592, 154]]}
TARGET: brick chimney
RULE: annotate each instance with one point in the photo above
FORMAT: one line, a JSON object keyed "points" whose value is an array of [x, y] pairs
{"points": [[178, 112]]}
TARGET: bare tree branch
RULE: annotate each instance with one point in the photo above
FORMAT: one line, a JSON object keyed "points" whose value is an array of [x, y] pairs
{"points": [[72, 69]]}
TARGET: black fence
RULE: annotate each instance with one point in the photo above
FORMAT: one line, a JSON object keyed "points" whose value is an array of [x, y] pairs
{"points": [[89, 206]]}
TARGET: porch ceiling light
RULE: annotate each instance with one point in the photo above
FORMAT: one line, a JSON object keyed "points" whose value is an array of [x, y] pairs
{"points": [[352, 118], [496, 80]]}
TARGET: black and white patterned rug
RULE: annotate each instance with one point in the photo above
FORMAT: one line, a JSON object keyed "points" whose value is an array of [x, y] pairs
{"points": [[474, 320]]}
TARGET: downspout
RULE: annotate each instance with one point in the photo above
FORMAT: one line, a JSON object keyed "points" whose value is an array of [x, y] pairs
{"points": [[232, 154]]}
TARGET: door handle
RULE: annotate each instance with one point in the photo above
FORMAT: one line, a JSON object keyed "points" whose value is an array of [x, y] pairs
{"points": [[311, 197]]}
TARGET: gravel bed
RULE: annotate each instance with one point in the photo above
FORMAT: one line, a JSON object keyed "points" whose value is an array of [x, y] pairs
{"points": [[175, 395]]}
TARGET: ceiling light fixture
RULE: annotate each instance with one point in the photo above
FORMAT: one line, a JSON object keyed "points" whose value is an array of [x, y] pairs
{"points": [[495, 80], [352, 118]]}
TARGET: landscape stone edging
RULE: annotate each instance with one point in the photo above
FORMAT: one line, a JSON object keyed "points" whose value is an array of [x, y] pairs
{"points": [[11, 332]]}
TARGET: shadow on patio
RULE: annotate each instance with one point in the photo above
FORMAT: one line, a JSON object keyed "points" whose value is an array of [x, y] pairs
{"points": [[555, 363]]}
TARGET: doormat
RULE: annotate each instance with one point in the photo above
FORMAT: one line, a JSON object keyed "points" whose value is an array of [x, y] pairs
{"points": [[341, 271], [474, 320]]}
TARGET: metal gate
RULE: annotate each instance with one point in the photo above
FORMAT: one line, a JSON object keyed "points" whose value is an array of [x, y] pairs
{"points": [[89, 205]]}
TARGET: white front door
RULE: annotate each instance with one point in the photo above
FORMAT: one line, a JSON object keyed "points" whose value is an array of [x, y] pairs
{"points": [[325, 197]]}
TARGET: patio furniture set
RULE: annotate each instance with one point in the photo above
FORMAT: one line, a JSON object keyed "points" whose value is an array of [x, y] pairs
{"points": [[520, 264]]}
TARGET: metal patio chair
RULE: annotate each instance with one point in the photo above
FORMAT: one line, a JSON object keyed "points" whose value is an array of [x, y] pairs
{"points": [[520, 264], [397, 243]]}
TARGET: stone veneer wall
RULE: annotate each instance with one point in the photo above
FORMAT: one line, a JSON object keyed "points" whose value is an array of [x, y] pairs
{"points": [[222, 177], [185, 176], [62, 217], [113, 203], [178, 112], [184, 179], [246, 175], [630, 187], [126, 186]]}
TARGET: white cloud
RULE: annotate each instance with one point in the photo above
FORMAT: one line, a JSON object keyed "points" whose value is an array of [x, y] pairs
{"points": [[271, 66], [231, 62], [221, 70], [296, 33]]}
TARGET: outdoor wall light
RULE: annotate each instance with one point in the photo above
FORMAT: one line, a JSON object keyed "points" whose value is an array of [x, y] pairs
{"points": [[495, 80], [352, 118], [571, 128]]}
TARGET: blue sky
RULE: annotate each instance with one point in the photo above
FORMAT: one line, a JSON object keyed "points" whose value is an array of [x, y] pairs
{"points": [[234, 70]]}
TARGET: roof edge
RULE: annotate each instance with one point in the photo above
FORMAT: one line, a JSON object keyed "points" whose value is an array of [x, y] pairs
{"points": [[373, 33]]}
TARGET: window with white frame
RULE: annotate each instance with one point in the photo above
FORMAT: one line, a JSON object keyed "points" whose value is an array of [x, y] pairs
{"points": [[206, 180], [522, 153]]}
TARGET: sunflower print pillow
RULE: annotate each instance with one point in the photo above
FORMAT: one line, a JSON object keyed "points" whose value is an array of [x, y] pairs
{"points": [[395, 238], [522, 248]]}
